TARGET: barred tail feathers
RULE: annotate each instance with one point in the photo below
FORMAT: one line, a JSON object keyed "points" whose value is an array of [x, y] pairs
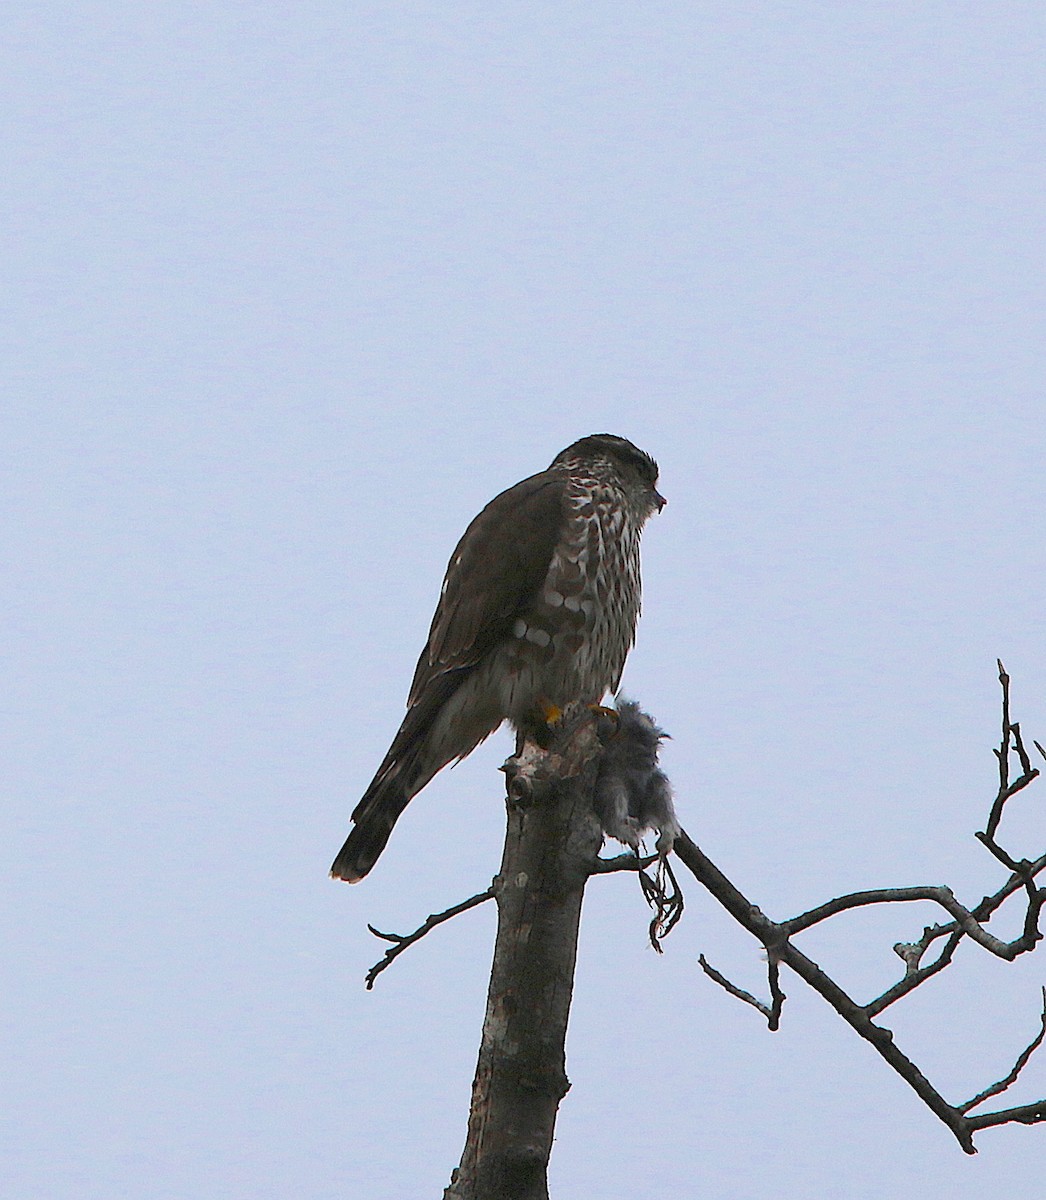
{"points": [[418, 751], [371, 831]]}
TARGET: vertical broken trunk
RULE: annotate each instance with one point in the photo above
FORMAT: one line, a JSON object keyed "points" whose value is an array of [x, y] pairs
{"points": [[552, 840]]}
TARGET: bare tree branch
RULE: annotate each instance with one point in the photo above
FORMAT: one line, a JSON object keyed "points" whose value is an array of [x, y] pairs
{"points": [[964, 919], [1025, 1114], [965, 923], [997, 1089], [912, 952], [1028, 772], [622, 862], [402, 941], [775, 939], [771, 1011], [914, 973]]}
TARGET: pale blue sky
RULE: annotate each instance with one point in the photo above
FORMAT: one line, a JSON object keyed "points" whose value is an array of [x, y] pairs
{"points": [[292, 291]]}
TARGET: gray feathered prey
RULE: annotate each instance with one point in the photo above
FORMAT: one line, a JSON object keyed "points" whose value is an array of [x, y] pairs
{"points": [[538, 611], [632, 793]]}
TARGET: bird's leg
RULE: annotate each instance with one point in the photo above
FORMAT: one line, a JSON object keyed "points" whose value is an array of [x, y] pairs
{"points": [[542, 726]]}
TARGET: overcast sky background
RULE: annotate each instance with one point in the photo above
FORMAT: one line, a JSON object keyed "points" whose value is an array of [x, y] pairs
{"points": [[291, 291]]}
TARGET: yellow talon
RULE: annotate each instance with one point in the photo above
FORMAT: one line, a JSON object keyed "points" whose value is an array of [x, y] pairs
{"points": [[602, 712]]}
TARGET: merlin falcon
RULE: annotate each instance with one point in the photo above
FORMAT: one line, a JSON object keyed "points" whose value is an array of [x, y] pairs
{"points": [[538, 611]]}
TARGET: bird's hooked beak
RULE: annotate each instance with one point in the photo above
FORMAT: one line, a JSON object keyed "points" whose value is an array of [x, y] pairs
{"points": [[659, 500]]}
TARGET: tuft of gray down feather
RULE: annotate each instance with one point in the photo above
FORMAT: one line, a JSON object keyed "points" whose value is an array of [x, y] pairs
{"points": [[632, 794]]}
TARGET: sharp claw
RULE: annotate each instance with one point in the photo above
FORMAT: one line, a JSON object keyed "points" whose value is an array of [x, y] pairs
{"points": [[603, 713]]}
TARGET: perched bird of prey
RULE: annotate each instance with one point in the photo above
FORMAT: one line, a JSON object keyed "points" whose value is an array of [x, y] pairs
{"points": [[538, 611], [632, 793]]}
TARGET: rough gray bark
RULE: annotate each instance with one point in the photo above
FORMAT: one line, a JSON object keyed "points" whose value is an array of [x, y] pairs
{"points": [[552, 841]]}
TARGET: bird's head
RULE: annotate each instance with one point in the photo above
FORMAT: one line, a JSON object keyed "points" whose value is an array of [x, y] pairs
{"points": [[636, 471]]}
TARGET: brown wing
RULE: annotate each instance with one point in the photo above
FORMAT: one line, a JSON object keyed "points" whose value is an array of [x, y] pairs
{"points": [[493, 574]]}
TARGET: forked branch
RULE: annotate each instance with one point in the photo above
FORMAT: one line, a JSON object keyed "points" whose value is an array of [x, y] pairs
{"points": [[965, 923]]}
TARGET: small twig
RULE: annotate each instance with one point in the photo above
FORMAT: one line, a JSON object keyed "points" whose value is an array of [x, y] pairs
{"points": [[733, 989], [997, 852], [1025, 1114], [997, 1089], [622, 862], [914, 974], [1028, 772], [402, 940], [778, 997]]}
